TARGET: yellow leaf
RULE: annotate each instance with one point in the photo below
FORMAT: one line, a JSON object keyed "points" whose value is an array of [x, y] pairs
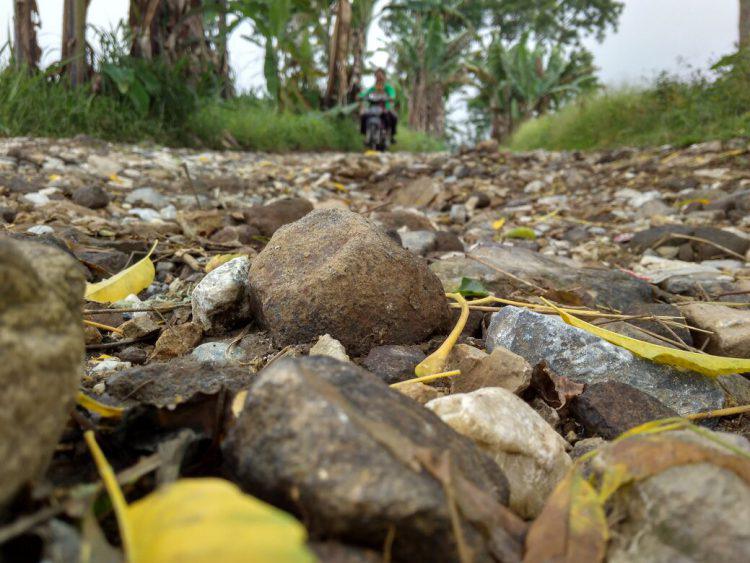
{"points": [[208, 520], [702, 363], [497, 225], [131, 280], [340, 187], [202, 521], [220, 259], [101, 409]]}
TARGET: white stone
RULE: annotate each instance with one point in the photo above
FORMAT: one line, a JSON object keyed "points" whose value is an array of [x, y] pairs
{"points": [[221, 300], [329, 346], [37, 199], [110, 364], [146, 214], [146, 197], [529, 451], [40, 230]]}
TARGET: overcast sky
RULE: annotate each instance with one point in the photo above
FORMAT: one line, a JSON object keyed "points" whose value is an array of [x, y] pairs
{"points": [[654, 35]]}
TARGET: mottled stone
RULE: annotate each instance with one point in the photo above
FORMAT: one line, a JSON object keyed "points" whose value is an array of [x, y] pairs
{"points": [[583, 357], [42, 351]]}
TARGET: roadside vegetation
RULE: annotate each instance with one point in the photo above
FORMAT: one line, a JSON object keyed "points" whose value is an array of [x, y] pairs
{"points": [[673, 111], [38, 105]]}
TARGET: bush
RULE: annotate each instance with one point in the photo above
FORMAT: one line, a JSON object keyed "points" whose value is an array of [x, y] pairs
{"points": [[673, 111]]}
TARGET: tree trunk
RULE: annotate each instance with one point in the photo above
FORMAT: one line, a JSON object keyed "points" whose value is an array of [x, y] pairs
{"points": [[427, 106], [222, 53], [25, 22], [73, 44], [338, 71], [172, 30], [744, 24], [359, 50]]}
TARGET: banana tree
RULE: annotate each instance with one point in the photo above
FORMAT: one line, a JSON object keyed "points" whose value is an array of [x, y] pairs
{"points": [[429, 54], [294, 37], [26, 52], [525, 80]]}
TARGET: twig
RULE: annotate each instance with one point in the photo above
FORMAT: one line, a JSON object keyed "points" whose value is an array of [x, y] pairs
{"points": [[719, 413], [102, 326], [109, 345], [508, 274], [710, 243], [27, 522], [426, 378], [192, 186], [164, 309]]}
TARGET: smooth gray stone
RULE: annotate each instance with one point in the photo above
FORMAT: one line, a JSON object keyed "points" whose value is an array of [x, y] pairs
{"points": [[583, 357]]}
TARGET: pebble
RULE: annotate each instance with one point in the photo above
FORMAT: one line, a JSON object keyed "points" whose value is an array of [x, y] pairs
{"points": [[529, 451], [221, 299]]}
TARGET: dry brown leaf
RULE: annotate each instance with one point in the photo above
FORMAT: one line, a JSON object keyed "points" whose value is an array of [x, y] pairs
{"points": [[556, 390], [572, 527]]}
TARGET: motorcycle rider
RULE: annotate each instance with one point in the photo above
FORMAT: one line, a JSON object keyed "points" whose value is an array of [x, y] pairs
{"points": [[381, 87]]}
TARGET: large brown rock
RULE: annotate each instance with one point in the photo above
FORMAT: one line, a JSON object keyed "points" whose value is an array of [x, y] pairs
{"points": [[334, 444], [42, 351], [334, 272]]}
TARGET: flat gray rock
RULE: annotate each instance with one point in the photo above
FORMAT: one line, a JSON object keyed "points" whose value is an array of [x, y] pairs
{"points": [[583, 357]]}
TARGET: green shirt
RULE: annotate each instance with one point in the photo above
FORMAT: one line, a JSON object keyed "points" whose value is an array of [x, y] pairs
{"points": [[389, 90]]}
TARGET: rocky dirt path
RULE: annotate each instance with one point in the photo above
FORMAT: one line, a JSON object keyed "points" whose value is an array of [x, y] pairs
{"points": [[291, 291]]}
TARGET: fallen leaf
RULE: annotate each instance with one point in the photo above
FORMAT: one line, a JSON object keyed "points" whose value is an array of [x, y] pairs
{"points": [[220, 259], [640, 457], [702, 363], [521, 233], [472, 288], [572, 526], [131, 280], [497, 225], [101, 409], [556, 390], [202, 521]]}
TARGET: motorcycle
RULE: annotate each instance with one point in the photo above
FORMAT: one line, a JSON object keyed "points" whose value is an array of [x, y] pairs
{"points": [[377, 132]]}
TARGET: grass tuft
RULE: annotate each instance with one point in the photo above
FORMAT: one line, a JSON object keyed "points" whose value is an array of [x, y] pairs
{"points": [[675, 112]]}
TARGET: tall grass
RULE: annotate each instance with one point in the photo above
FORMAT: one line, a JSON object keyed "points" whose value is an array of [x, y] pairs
{"points": [[673, 111]]}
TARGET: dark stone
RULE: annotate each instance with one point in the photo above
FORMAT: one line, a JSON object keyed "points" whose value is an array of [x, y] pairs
{"points": [[483, 200], [448, 242], [133, 354], [394, 363], [104, 262], [593, 287], [269, 218], [93, 197], [334, 272], [7, 214], [334, 552], [173, 382], [394, 220], [334, 444], [609, 408], [656, 237]]}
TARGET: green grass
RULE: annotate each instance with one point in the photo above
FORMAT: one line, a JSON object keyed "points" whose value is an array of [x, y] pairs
{"points": [[672, 112], [39, 106]]}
